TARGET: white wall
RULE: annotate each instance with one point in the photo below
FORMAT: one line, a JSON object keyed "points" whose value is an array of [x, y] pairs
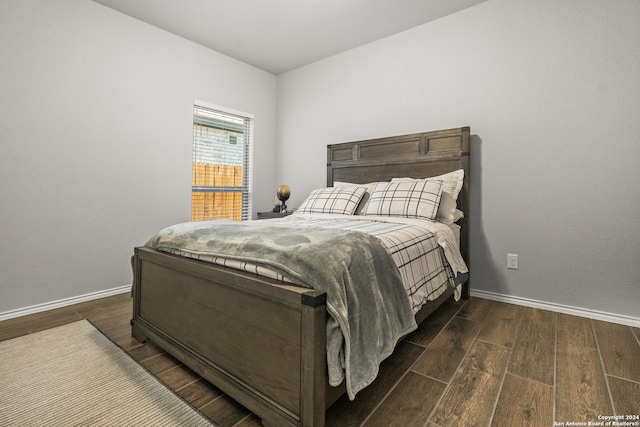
{"points": [[95, 141], [95, 138], [552, 94]]}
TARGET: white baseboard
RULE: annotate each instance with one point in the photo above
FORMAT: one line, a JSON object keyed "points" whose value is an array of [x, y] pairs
{"points": [[560, 308], [63, 303]]}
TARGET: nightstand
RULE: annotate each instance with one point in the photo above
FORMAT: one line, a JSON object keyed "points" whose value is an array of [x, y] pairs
{"points": [[269, 214]]}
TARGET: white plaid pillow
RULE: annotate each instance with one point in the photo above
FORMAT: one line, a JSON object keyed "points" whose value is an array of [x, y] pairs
{"points": [[414, 199], [333, 200], [448, 212]]}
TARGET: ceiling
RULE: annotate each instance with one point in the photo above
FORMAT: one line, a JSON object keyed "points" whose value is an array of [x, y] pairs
{"points": [[280, 35]]}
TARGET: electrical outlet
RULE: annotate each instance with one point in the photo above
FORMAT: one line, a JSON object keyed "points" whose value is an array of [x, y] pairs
{"points": [[512, 261]]}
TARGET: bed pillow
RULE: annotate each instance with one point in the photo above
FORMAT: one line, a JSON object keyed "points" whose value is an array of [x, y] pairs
{"points": [[448, 211], [451, 182], [451, 186], [333, 200], [365, 198], [408, 199]]}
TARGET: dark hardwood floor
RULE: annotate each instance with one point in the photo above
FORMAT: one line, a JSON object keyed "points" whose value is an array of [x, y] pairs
{"points": [[473, 363]]}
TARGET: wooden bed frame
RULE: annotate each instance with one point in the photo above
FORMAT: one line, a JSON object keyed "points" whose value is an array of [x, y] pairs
{"points": [[262, 341]]}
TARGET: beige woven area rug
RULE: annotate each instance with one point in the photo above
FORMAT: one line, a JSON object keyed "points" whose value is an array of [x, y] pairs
{"points": [[74, 376]]}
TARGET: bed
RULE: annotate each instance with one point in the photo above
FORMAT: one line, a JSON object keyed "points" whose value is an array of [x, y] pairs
{"points": [[263, 340]]}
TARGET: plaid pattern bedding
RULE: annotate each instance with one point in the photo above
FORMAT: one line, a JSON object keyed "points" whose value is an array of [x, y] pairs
{"points": [[414, 199], [425, 271], [333, 200]]}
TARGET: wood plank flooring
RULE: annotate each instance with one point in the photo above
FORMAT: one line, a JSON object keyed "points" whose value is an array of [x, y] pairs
{"points": [[472, 363]]}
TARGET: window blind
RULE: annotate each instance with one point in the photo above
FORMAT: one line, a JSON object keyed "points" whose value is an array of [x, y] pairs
{"points": [[222, 167]]}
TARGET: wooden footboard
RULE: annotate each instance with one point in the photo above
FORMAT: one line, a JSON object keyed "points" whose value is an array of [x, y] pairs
{"points": [[261, 342]]}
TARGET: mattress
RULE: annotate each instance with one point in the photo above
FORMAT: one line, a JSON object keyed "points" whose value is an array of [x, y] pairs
{"points": [[426, 252]]}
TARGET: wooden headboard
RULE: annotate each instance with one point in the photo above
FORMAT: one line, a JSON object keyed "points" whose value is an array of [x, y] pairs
{"points": [[418, 155]]}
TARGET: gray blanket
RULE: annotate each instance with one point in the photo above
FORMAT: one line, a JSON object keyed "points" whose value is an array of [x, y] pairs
{"points": [[368, 305]]}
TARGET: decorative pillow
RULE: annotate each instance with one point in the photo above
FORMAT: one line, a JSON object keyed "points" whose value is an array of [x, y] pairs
{"points": [[452, 184], [451, 181], [365, 198], [333, 200], [408, 199]]}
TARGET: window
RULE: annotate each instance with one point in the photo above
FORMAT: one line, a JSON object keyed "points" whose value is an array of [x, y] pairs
{"points": [[222, 164]]}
